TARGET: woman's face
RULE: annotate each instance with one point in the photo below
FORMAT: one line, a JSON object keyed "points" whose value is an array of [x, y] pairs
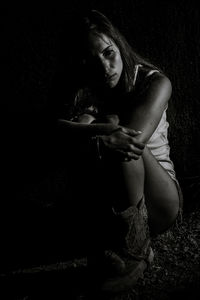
{"points": [[105, 61]]}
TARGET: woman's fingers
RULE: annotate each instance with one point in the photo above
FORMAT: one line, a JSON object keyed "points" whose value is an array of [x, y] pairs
{"points": [[134, 149], [132, 145], [121, 136], [131, 155], [132, 134], [131, 152], [137, 143], [120, 140], [130, 131]]}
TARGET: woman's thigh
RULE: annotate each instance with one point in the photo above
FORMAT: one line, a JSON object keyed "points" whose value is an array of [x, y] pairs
{"points": [[161, 194]]}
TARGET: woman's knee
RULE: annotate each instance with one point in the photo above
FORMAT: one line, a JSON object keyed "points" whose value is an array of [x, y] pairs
{"points": [[162, 218]]}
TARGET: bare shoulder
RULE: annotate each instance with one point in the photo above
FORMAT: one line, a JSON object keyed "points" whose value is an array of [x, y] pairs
{"points": [[160, 83]]}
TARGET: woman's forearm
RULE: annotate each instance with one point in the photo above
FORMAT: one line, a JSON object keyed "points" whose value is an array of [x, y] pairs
{"points": [[78, 136], [87, 129]]}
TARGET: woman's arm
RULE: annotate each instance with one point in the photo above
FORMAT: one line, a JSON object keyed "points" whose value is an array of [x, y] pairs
{"points": [[114, 137], [148, 109], [85, 129]]}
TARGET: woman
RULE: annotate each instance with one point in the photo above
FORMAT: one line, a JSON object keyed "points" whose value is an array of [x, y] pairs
{"points": [[120, 112]]}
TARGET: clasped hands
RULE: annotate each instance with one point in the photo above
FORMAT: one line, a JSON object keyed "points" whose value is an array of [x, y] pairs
{"points": [[122, 143]]}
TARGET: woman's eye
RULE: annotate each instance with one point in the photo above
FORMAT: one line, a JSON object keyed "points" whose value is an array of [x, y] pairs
{"points": [[109, 52]]}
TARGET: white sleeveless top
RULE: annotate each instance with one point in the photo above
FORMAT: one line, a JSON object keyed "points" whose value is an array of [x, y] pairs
{"points": [[158, 142], [159, 146]]}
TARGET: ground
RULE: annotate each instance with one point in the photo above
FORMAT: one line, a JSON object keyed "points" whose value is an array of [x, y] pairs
{"points": [[174, 274]]}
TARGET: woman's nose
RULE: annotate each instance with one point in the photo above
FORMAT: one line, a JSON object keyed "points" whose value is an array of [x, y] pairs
{"points": [[105, 64]]}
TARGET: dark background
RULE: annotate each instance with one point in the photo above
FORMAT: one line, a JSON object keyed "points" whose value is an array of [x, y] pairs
{"points": [[34, 225]]}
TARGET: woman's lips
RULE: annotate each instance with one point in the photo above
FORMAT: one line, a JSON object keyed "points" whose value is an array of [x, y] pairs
{"points": [[111, 77]]}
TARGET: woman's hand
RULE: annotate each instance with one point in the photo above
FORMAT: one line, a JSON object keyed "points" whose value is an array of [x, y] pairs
{"points": [[123, 143]]}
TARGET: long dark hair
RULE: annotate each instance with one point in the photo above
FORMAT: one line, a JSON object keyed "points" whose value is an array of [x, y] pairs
{"points": [[98, 23], [85, 96]]}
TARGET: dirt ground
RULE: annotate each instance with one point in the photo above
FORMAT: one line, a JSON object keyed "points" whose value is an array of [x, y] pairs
{"points": [[174, 274]]}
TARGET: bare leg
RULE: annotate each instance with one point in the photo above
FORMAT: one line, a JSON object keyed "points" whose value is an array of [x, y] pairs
{"points": [[127, 180], [131, 180], [161, 194]]}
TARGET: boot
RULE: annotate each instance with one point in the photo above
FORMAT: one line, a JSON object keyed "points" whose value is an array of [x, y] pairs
{"points": [[120, 268]]}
